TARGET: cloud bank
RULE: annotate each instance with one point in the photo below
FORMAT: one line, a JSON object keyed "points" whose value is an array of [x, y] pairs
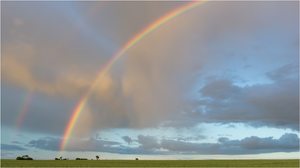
{"points": [[152, 145]]}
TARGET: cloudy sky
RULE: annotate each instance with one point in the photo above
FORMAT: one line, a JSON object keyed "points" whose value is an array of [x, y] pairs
{"points": [[217, 81]]}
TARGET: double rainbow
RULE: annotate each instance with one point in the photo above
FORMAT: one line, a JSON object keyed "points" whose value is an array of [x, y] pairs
{"points": [[103, 71]]}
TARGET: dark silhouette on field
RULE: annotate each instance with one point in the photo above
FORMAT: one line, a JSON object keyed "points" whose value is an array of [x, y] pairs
{"points": [[81, 159], [97, 157], [61, 158], [136, 158], [24, 157]]}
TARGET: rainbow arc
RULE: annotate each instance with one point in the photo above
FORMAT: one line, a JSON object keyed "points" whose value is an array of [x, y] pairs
{"points": [[103, 71]]}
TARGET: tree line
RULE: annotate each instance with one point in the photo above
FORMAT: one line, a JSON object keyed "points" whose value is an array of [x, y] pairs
{"points": [[26, 157]]}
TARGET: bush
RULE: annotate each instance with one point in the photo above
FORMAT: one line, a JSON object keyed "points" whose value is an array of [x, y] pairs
{"points": [[24, 157], [19, 158]]}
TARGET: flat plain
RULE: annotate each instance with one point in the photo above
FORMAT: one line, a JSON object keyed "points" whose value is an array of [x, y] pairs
{"points": [[150, 163]]}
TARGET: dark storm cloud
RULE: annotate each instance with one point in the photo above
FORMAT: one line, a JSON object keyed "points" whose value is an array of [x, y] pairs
{"points": [[47, 143], [285, 72], [148, 142], [287, 141], [92, 144], [249, 145], [274, 104], [97, 145], [9, 147], [127, 139], [219, 89], [151, 145]]}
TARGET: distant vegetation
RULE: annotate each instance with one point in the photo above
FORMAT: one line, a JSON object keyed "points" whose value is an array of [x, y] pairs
{"points": [[24, 157], [81, 159], [61, 158]]}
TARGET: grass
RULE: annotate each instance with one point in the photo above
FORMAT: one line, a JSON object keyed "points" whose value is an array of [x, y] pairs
{"points": [[150, 163]]}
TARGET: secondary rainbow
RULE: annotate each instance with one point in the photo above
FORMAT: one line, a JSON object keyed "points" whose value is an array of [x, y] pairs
{"points": [[134, 40], [24, 109]]}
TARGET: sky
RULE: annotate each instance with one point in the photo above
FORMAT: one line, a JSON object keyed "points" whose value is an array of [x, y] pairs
{"points": [[217, 81]]}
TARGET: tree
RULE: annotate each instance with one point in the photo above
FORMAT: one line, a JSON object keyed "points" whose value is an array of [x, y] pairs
{"points": [[24, 157], [97, 157]]}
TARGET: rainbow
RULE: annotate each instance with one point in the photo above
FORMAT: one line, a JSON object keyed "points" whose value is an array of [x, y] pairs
{"points": [[103, 71], [24, 109]]}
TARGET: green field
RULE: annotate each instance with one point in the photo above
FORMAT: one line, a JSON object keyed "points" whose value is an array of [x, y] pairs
{"points": [[150, 163]]}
